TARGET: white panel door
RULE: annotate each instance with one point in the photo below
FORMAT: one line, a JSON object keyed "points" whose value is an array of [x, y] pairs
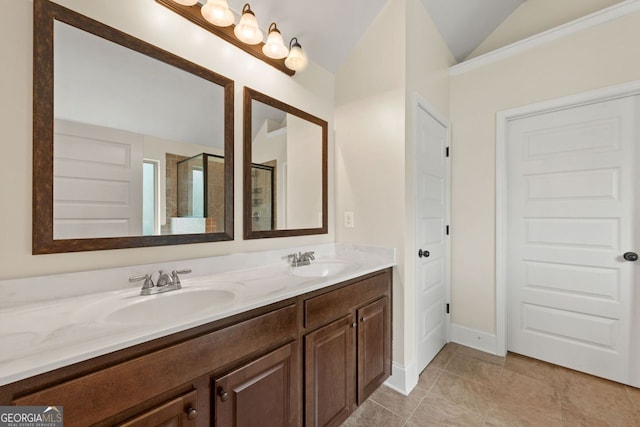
{"points": [[431, 250], [572, 184], [97, 184]]}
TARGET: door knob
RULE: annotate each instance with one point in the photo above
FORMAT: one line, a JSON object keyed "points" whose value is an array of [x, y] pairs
{"points": [[630, 256], [424, 253]]}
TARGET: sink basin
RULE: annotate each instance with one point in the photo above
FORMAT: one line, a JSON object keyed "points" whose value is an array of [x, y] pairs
{"points": [[177, 304], [319, 269]]}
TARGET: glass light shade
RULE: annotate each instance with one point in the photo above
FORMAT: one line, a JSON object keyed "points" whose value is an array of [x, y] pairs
{"points": [[297, 59], [218, 13], [274, 47], [186, 2], [247, 30]]}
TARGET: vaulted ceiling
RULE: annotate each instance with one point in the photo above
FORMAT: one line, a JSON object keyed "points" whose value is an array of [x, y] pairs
{"points": [[329, 29]]}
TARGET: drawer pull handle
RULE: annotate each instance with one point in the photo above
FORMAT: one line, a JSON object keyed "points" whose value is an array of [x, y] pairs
{"points": [[192, 413], [224, 396]]}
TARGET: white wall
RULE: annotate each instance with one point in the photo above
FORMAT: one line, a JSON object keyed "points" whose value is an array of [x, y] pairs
{"points": [[312, 90], [535, 16], [370, 146], [402, 53], [594, 58]]}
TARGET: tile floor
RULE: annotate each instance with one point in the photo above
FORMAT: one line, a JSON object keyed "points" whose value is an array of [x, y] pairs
{"points": [[466, 387]]}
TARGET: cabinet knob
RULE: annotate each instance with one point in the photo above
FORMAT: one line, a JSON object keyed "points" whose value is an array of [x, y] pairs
{"points": [[224, 396], [192, 413], [362, 319], [354, 324]]}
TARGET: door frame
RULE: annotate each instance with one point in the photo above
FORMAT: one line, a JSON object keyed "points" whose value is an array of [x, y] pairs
{"points": [[421, 104], [502, 122]]}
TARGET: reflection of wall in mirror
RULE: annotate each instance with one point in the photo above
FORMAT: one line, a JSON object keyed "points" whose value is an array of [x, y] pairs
{"points": [[270, 145], [304, 173]]}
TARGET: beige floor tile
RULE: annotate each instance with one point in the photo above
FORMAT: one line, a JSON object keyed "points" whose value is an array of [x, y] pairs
{"points": [[486, 357], [468, 394], [514, 415], [398, 402], [588, 397], [463, 387], [537, 369], [473, 369], [634, 395], [434, 411], [445, 355], [574, 417], [428, 377], [371, 414], [514, 391]]}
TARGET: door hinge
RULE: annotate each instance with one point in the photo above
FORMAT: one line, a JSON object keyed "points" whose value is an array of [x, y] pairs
{"points": [[447, 152], [447, 230], [447, 308]]}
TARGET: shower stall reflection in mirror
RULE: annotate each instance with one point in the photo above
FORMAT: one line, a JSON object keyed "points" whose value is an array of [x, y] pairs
{"points": [[263, 195], [199, 204]]}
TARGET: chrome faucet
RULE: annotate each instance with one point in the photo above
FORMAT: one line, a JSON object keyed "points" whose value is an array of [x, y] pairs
{"points": [[165, 282], [300, 258]]}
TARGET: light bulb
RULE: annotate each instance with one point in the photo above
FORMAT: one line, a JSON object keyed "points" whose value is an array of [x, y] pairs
{"points": [[274, 47], [217, 12], [186, 2], [247, 30], [297, 59]]}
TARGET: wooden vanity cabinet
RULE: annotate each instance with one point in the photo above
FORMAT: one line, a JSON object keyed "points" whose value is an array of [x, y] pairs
{"points": [[348, 359], [157, 386], [259, 393], [179, 412], [310, 360], [330, 373]]}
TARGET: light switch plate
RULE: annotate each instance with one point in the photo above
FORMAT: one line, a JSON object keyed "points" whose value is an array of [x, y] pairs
{"points": [[348, 220]]}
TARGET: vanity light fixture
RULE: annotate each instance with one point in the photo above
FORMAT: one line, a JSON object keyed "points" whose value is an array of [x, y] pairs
{"points": [[297, 59], [274, 47], [186, 2], [218, 13], [247, 30], [216, 17]]}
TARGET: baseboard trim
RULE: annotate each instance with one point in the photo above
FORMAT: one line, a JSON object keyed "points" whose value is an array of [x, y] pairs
{"points": [[403, 379], [474, 338]]}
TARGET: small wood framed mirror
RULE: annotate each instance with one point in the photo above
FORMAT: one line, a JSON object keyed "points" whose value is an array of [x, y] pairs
{"points": [[285, 169]]}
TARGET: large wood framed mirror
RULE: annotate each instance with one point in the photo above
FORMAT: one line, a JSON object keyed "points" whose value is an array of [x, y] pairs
{"points": [[285, 169], [132, 145]]}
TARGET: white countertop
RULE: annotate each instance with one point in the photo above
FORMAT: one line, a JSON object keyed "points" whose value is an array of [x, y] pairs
{"points": [[40, 333]]}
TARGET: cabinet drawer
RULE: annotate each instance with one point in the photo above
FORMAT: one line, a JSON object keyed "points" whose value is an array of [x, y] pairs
{"points": [[326, 307], [181, 411], [104, 393]]}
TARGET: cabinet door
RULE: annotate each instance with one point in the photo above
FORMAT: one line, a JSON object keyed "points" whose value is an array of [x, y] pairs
{"points": [[330, 373], [179, 412], [374, 347], [259, 393]]}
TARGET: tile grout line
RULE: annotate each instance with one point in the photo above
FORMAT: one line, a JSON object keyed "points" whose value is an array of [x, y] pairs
{"points": [[387, 409]]}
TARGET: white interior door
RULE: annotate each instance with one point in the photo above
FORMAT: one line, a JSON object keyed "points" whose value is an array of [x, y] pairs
{"points": [[97, 175], [572, 187], [431, 240]]}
